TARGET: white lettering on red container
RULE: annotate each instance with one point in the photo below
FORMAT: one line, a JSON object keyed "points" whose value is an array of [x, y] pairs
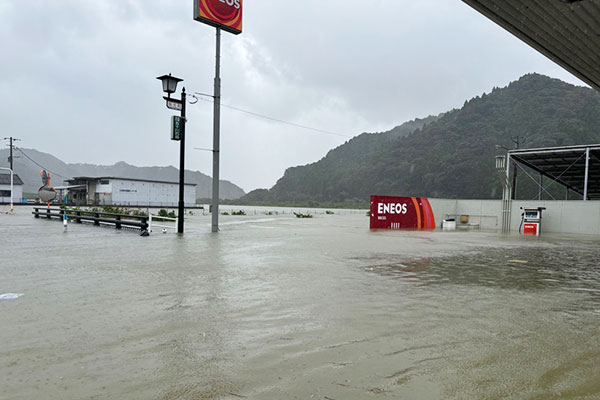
{"points": [[391, 208]]}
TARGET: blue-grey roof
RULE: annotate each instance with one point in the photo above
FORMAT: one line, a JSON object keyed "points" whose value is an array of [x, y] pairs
{"points": [[5, 179], [97, 178]]}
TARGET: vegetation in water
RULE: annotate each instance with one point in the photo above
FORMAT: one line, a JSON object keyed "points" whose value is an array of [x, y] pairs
{"points": [[301, 215], [165, 213], [346, 204]]}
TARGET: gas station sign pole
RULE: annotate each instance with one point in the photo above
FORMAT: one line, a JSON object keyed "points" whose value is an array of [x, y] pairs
{"points": [[224, 15], [216, 136]]}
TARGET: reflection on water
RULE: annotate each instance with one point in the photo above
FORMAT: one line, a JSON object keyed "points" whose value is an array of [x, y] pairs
{"points": [[527, 320], [533, 269]]}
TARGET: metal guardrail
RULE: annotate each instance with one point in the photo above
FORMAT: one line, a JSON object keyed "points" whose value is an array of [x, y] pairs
{"points": [[96, 217]]}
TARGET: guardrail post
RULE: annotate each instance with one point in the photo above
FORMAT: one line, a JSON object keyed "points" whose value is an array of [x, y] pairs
{"points": [[118, 223]]}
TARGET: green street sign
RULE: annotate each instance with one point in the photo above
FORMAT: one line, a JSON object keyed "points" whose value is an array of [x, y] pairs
{"points": [[176, 127]]}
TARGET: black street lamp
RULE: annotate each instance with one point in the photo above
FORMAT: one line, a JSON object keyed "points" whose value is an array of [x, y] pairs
{"points": [[177, 133], [169, 83]]}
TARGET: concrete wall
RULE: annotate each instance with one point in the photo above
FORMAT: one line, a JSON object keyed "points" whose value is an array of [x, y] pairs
{"points": [[560, 216], [129, 192], [485, 214]]}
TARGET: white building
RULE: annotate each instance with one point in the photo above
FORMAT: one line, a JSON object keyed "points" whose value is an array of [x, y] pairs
{"points": [[127, 192], [5, 189]]}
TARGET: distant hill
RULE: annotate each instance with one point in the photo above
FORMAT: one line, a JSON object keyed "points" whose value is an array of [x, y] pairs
{"points": [[328, 180], [25, 166], [450, 156]]}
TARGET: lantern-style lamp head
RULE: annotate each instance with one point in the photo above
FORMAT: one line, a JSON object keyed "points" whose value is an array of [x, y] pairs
{"points": [[169, 83]]}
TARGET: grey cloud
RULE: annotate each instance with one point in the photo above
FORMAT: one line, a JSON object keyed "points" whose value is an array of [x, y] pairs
{"points": [[78, 76]]}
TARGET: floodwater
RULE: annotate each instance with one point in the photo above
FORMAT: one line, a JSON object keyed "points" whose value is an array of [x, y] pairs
{"points": [[275, 307]]}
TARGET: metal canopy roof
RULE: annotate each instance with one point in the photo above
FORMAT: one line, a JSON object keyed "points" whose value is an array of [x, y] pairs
{"points": [[566, 165], [566, 31]]}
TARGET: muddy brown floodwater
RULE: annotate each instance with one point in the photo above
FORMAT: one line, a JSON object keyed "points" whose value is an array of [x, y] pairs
{"points": [[275, 307]]}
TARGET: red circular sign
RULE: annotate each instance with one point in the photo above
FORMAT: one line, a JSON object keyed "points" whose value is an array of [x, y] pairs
{"points": [[226, 14], [225, 10]]}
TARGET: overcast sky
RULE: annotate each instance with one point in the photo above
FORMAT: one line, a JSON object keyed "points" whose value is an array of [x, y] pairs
{"points": [[77, 77]]}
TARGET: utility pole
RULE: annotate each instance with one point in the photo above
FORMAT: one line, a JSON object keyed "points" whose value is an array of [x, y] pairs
{"points": [[11, 146]]}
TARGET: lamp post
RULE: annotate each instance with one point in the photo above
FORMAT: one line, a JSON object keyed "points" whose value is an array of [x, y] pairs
{"points": [[177, 133], [513, 195]]}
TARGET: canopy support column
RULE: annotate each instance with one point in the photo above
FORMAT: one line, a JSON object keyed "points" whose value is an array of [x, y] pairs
{"points": [[587, 168]]}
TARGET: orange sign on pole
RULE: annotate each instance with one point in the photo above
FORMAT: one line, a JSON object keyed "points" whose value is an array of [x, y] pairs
{"points": [[224, 14]]}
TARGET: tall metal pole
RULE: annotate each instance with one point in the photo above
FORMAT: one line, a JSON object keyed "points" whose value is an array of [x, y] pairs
{"points": [[11, 190], [587, 168], [216, 136], [181, 205], [514, 178], [506, 198]]}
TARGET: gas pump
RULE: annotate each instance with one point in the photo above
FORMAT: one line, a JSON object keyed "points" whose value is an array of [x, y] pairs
{"points": [[531, 221]]}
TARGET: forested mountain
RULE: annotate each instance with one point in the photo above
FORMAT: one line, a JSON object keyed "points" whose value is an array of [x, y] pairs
{"points": [[28, 163], [450, 156]]}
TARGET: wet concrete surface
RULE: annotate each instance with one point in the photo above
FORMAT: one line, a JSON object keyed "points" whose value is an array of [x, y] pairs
{"points": [[275, 307]]}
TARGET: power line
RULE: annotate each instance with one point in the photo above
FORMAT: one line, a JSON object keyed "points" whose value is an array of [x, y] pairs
{"points": [[273, 119], [39, 165]]}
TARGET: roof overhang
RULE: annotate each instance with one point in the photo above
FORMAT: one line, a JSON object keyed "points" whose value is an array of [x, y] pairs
{"points": [[565, 165], [567, 32], [66, 187]]}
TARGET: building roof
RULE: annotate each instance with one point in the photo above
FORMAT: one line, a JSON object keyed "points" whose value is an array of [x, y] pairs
{"points": [[97, 178], [565, 31], [5, 179], [565, 165]]}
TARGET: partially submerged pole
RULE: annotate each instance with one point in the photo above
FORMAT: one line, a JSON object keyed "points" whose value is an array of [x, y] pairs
{"points": [[216, 136]]}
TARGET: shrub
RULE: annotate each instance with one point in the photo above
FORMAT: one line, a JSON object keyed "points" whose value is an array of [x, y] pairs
{"points": [[300, 215]]}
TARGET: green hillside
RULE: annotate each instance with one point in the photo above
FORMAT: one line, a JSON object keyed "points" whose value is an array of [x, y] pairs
{"points": [[450, 156]]}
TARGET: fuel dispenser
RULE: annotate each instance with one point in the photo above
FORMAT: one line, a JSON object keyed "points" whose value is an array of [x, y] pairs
{"points": [[531, 221]]}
